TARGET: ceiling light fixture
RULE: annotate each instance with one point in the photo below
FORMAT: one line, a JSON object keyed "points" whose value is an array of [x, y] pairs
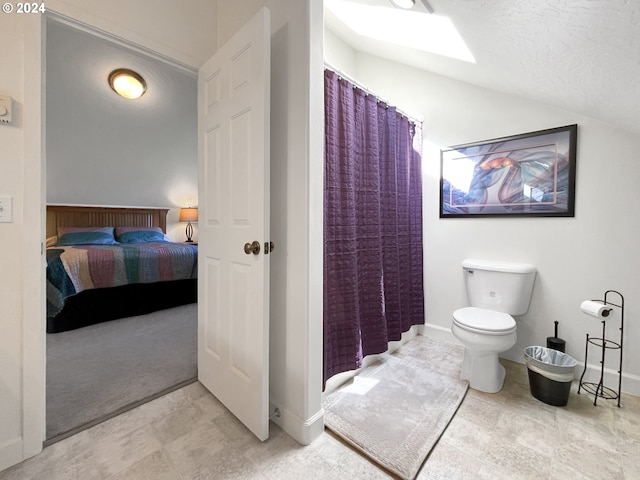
{"points": [[127, 83], [407, 4]]}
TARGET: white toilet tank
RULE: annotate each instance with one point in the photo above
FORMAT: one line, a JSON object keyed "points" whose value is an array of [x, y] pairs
{"points": [[500, 286]]}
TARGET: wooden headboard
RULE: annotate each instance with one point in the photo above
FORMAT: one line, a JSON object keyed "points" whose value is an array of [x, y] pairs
{"points": [[68, 216]]}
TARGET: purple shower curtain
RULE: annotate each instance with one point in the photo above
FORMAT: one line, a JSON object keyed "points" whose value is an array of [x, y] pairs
{"points": [[373, 284]]}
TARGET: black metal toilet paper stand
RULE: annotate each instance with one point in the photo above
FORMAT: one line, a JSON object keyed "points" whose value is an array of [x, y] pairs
{"points": [[598, 390]]}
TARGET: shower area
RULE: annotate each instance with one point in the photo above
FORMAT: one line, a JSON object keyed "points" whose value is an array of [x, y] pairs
{"points": [[373, 237]]}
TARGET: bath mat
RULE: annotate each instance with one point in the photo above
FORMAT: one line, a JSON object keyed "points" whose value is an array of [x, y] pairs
{"points": [[395, 410]]}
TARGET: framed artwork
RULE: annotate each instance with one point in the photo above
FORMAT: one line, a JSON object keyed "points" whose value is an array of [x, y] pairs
{"points": [[527, 175]]}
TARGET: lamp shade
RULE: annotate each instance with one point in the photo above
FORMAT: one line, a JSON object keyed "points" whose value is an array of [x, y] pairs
{"points": [[189, 214]]}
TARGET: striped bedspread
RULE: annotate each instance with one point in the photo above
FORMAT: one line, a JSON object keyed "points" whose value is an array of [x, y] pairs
{"points": [[70, 270]]}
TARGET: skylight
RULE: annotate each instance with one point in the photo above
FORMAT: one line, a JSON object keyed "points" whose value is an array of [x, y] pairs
{"points": [[421, 31]]}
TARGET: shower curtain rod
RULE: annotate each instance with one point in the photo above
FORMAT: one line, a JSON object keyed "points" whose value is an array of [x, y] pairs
{"points": [[369, 92]]}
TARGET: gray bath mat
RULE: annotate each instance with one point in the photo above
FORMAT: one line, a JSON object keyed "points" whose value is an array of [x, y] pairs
{"points": [[395, 410]]}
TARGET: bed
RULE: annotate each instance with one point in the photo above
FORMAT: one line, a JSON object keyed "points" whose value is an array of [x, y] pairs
{"points": [[106, 263]]}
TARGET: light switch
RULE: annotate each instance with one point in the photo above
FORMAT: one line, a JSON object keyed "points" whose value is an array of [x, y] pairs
{"points": [[6, 209], [5, 108]]}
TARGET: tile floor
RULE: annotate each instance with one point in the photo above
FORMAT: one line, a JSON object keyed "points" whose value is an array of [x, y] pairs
{"points": [[510, 435]]}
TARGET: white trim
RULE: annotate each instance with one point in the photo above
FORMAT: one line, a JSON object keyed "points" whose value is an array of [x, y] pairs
{"points": [[33, 320], [630, 383], [110, 37], [302, 431], [11, 452], [439, 332], [314, 426]]}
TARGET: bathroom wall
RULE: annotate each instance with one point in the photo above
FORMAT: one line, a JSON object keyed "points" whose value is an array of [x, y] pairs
{"points": [[577, 258]]}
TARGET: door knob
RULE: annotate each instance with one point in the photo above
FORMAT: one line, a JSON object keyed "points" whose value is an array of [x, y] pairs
{"points": [[253, 247]]}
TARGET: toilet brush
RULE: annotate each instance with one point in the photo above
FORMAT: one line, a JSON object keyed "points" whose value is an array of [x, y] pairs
{"points": [[554, 342]]}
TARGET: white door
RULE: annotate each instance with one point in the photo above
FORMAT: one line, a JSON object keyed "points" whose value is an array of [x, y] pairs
{"points": [[233, 285]]}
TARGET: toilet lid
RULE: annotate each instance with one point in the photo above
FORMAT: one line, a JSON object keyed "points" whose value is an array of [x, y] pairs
{"points": [[481, 319]]}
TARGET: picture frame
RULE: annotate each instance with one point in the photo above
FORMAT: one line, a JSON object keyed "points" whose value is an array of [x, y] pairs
{"points": [[527, 175]]}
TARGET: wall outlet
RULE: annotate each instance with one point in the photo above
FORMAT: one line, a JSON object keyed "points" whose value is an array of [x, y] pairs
{"points": [[6, 209]]}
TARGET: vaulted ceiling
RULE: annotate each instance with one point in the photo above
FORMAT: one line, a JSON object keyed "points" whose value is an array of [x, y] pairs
{"points": [[579, 55]]}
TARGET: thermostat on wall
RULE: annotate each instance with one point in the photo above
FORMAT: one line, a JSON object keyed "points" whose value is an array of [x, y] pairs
{"points": [[5, 108]]}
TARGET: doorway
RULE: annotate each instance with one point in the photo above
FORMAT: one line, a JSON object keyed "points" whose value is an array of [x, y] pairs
{"points": [[296, 367], [105, 150]]}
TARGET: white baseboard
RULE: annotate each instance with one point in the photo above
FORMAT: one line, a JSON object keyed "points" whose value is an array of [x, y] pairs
{"points": [[10, 453], [630, 383], [439, 332], [302, 431]]}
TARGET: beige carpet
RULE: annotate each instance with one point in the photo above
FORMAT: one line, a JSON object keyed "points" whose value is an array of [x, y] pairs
{"points": [[395, 410], [99, 371]]}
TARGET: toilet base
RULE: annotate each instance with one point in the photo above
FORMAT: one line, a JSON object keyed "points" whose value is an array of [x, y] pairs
{"points": [[483, 371]]}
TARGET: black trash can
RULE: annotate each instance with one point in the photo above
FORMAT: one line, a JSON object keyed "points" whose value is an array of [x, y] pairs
{"points": [[550, 374]]}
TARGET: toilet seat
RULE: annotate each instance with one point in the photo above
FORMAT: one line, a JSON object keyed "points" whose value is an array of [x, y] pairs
{"points": [[481, 320]]}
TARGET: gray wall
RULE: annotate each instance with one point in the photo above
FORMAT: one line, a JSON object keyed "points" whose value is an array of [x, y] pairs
{"points": [[106, 150]]}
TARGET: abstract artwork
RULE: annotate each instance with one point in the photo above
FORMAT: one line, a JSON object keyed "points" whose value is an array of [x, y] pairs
{"points": [[527, 175]]}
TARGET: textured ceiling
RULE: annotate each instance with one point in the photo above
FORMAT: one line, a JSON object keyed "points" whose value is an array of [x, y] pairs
{"points": [[580, 55]]}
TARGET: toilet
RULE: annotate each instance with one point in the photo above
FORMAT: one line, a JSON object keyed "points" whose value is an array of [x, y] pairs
{"points": [[496, 291]]}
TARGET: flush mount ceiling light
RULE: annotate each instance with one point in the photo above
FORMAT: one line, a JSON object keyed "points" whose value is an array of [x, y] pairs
{"points": [[404, 3], [127, 83]]}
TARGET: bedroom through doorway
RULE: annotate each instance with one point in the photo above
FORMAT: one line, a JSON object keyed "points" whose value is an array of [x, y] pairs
{"points": [[102, 150]]}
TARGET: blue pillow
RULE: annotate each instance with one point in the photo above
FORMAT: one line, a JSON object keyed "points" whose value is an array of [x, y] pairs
{"points": [[85, 236], [139, 234]]}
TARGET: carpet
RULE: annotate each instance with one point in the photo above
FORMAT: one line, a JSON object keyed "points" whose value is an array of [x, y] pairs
{"points": [[395, 410], [99, 371]]}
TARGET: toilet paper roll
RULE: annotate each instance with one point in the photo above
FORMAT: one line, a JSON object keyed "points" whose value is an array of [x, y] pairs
{"points": [[596, 309]]}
